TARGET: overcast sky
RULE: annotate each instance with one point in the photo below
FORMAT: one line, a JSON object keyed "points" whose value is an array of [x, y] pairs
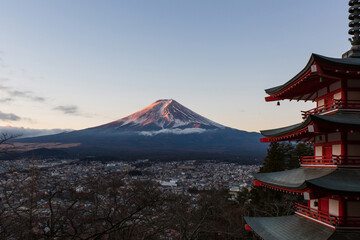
{"points": [[77, 64]]}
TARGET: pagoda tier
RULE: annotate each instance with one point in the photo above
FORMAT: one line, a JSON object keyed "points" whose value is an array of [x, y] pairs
{"points": [[296, 227], [333, 196], [314, 125], [335, 137], [300, 180], [320, 76]]}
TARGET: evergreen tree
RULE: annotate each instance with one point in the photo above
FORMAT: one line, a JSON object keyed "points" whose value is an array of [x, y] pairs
{"points": [[297, 151], [275, 158], [260, 201], [281, 156]]}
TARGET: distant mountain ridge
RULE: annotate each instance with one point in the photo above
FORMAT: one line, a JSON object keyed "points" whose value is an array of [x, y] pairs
{"points": [[164, 128], [29, 132]]}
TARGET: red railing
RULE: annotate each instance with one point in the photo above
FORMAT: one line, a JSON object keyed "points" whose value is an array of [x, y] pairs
{"points": [[316, 214], [333, 160], [336, 104], [327, 218], [313, 160]]}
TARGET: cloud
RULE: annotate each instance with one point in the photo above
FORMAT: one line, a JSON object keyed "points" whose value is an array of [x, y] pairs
{"points": [[21, 94], [38, 99], [176, 131], [68, 109], [25, 94], [9, 117], [72, 110], [30, 132], [15, 93], [4, 100]]}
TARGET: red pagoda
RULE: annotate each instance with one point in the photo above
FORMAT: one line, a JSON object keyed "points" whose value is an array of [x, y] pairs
{"points": [[329, 180]]}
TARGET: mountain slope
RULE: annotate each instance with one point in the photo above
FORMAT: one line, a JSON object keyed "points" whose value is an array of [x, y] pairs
{"points": [[163, 128], [162, 114]]}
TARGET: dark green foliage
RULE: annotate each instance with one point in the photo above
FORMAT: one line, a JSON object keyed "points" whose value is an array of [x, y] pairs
{"points": [[275, 159], [304, 149], [265, 202], [281, 156]]}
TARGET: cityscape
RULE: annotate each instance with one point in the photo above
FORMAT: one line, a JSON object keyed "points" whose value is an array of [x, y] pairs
{"points": [[54, 193], [139, 120], [178, 177]]}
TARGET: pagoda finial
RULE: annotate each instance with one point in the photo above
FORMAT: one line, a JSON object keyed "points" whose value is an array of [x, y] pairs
{"points": [[354, 25]]}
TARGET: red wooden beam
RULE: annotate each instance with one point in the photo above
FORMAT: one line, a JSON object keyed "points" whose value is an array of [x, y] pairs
{"points": [[257, 183], [272, 98], [248, 228]]}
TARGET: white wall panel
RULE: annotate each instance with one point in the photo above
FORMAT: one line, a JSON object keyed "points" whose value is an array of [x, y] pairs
{"points": [[336, 149], [334, 207], [318, 151]]}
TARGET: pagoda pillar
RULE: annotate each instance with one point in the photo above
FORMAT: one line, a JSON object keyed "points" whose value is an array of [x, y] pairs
{"points": [[342, 207]]}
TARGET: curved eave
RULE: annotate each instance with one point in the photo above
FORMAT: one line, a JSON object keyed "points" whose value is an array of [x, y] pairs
{"points": [[338, 180], [352, 63], [296, 228], [294, 179], [343, 180], [288, 227], [276, 89], [340, 119], [315, 59], [281, 132]]}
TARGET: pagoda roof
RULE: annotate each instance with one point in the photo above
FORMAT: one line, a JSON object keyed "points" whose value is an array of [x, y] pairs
{"points": [[345, 118], [345, 180], [285, 130], [338, 119], [347, 65], [294, 179], [340, 180], [296, 228]]}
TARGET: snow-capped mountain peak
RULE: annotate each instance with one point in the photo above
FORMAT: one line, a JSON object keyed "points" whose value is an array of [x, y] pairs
{"points": [[163, 130], [163, 114]]}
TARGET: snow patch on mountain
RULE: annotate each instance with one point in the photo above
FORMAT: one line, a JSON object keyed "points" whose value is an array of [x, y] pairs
{"points": [[177, 131], [163, 114]]}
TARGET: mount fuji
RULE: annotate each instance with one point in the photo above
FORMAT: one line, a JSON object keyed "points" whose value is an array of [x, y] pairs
{"points": [[163, 116], [164, 129]]}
